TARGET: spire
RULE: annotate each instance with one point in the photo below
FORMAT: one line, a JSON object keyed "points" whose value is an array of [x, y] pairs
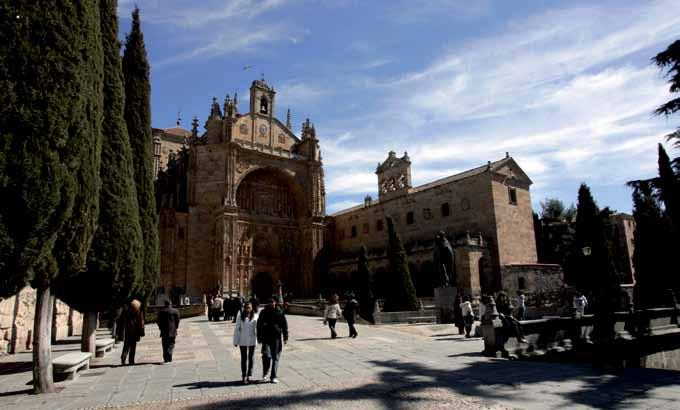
{"points": [[235, 103], [215, 109], [194, 128], [306, 129], [289, 125], [227, 105], [179, 120]]}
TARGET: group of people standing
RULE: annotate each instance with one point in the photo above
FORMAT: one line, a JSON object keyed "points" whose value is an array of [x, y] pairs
{"points": [[333, 312], [464, 316], [219, 308]]}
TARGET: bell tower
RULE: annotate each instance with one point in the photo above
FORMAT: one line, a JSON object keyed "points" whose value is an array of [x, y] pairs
{"points": [[394, 176], [262, 98]]}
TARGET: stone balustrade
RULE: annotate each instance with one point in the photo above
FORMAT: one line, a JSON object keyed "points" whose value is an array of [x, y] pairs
{"points": [[644, 338]]}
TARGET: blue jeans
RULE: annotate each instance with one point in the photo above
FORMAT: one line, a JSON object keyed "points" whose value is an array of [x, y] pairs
{"points": [[271, 353]]}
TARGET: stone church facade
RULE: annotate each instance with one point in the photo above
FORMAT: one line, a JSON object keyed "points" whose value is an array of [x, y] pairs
{"points": [[484, 212], [246, 205], [242, 207]]}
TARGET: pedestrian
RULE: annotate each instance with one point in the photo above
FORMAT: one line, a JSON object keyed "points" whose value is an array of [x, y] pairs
{"points": [[272, 333], [521, 305], [245, 337], [210, 308], [580, 302], [350, 314], [510, 324], [236, 306], [168, 323], [134, 330], [468, 316], [217, 304], [331, 314], [458, 319]]}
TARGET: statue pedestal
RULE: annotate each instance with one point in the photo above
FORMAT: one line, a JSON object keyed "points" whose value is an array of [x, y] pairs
{"points": [[444, 301]]}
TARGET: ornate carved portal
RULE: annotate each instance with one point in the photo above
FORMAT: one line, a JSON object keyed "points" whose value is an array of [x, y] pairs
{"points": [[267, 234]]}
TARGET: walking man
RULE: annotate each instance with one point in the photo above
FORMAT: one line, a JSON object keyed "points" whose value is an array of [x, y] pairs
{"points": [[168, 323], [350, 314], [272, 333]]}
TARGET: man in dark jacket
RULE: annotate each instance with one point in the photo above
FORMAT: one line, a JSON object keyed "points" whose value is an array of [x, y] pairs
{"points": [[272, 326], [350, 313], [168, 322]]}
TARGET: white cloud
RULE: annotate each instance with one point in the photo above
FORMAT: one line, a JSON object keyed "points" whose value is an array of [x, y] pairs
{"points": [[296, 93], [563, 91], [340, 205], [212, 28]]}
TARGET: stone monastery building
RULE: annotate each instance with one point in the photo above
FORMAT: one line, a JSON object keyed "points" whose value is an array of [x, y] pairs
{"points": [[242, 207]]}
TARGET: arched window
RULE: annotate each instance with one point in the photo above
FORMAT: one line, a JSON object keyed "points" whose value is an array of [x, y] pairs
{"points": [[264, 105], [520, 283], [379, 225]]}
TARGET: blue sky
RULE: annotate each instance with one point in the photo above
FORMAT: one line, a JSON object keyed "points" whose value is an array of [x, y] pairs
{"points": [[566, 87]]}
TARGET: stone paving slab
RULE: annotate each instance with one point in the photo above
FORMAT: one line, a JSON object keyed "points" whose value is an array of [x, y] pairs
{"points": [[394, 367]]}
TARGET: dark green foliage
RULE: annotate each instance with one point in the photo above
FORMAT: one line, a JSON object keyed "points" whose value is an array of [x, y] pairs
{"points": [[595, 274], [669, 190], [114, 260], [554, 232], [365, 286], [669, 60], [138, 119], [401, 295], [50, 136], [581, 267], [649, 257]]}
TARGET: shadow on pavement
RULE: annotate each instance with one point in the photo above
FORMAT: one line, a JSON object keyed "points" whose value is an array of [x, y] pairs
{"points": [[399, 385], [320, 338], [15, 367], [213, 385]]}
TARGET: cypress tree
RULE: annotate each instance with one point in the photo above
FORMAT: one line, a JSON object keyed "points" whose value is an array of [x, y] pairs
{"points": [[587, 214], [649, 257], [138, 119], [50, 134], [366, 300], [114, 260], [669, 190], [402, 294]]}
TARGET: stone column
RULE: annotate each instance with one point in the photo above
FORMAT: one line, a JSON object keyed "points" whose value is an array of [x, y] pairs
{"points": [[466, 256]]}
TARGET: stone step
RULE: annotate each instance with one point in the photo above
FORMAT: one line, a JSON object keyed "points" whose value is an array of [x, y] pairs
{"points": [[422, 319]]}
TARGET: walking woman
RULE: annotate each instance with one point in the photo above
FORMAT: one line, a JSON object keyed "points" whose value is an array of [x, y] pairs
{"points": [[245, 337], [332, 314], [134, 330]]}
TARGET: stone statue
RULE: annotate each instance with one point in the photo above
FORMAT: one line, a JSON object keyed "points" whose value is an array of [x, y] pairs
{"points": [[442, 259]]}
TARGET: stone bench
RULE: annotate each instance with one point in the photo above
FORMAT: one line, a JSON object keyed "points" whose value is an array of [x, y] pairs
{"points": [[103, 346], [70, 363]]}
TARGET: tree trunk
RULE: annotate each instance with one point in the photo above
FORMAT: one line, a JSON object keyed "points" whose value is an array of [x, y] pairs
{"points": [[89, 337], [43, 381]]}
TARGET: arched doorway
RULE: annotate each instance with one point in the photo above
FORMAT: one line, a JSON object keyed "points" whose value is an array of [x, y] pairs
{"points": [[263, 286], [271, 208]]}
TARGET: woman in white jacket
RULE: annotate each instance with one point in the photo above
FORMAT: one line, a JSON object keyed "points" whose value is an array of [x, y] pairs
{"points": [[245, 337], [331, 315]]}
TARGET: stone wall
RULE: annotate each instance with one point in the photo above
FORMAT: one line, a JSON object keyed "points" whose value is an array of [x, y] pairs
{"points": [[16, 321], [532, 278]]}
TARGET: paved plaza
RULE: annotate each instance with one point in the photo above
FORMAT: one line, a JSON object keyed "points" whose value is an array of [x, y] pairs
{"points": [[386, 367]]}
